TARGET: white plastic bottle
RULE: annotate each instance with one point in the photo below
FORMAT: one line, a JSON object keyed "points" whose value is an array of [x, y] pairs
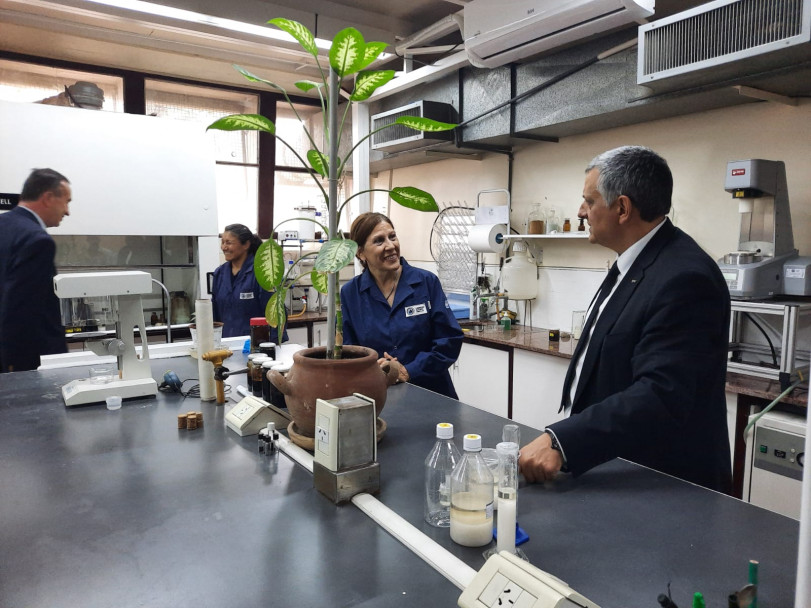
{"points": [[438, 468], [472, 497]]}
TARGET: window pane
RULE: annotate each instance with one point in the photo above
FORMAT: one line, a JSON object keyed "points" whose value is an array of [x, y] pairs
{"points": [[30, 82], [294, 190], [204, 105], [290, 129]]}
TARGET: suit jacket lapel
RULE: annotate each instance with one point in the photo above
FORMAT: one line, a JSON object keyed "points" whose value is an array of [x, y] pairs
{"points": [[626, 288]]}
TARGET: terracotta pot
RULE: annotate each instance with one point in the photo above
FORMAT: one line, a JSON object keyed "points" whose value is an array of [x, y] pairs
{"points": [[313, 376]]}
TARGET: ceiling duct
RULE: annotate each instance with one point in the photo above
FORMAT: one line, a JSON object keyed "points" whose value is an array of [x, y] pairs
{"points": [[509, 30], [400, 137], [722, 40]]}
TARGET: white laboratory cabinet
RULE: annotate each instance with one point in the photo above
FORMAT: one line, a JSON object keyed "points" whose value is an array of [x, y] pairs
{"points": [[481, 376], [537, 386]]}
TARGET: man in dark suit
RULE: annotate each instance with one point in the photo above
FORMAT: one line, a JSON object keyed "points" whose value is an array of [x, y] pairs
{"points": [[646, 381], [30, 319]]}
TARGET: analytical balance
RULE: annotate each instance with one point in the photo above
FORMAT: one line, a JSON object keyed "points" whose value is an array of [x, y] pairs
{"points": [[766, 262], [134, 378]]}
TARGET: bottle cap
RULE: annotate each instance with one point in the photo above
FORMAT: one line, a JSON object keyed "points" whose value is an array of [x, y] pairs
{"points": [[283, 367], [267, 364], [444, 430], [258, 321], [267, 345], [473, 443], [271, 427]]}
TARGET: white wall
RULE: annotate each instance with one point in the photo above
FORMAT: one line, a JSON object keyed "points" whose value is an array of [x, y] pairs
{"points": [[696, 146]]}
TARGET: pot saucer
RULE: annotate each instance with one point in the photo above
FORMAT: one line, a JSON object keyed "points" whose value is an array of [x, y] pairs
{"points": [[308, 443]]}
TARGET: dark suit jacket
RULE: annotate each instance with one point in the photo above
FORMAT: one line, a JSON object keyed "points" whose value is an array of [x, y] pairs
{"points": [[654, 392], [30, 319]]}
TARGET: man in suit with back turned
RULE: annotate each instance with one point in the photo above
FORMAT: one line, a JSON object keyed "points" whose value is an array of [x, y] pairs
{"points": [[646, 381], [30, 318]]}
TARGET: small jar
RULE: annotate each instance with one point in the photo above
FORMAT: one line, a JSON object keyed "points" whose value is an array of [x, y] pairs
{"points": [[251, 358], [256, 375], [260, 332], [268, 349], [582, 226], [567, 225], [276, 396], [266, 367]]}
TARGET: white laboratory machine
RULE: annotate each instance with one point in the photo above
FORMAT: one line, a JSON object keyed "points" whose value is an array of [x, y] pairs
{"points": [[134, 376], [775, 458]]}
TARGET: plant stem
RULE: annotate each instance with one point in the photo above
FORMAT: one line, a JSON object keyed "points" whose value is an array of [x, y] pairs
{"points": [[332, 278]]}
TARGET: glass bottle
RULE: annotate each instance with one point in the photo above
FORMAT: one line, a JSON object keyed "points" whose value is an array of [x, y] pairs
{"points": [[581, 227], [438, 468], [567, 225], [507, 495], [552, 222], [256, 375], [536, 219], [472, 497]]}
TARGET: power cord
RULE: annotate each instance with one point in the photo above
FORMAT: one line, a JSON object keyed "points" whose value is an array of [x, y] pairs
{"points": [[172, 384]]}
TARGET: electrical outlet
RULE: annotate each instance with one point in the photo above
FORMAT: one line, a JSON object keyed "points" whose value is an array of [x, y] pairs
{"points": [[285, 235]]}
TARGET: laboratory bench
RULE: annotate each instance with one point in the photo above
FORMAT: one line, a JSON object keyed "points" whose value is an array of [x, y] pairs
{"points": [[104, 508]]}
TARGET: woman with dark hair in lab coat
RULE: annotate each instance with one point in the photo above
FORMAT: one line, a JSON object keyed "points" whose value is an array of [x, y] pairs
{"points": [[399, 310], [235, 295]]}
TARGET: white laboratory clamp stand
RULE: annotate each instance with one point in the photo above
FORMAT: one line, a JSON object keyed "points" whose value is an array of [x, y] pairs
{"points": [[134, 377]]}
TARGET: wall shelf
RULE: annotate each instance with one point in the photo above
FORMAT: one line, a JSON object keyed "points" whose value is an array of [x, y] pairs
{"points": [[560, 235]]}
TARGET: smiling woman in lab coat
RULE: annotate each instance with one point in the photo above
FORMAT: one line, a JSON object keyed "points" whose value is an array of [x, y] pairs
{"points": [[398, 310], [235, 294]]}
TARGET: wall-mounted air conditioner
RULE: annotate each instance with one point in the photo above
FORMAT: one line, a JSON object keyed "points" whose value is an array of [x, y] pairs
{"points": [[722, 40], [399, 137], [509, 30]]}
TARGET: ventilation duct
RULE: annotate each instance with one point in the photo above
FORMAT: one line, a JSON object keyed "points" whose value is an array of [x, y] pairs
{"points": [[722, 40], [399, 137], [509, 30]]}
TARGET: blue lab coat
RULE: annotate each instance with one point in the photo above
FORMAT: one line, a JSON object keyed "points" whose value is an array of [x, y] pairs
{"points": [[419, 329], [236, 299]]}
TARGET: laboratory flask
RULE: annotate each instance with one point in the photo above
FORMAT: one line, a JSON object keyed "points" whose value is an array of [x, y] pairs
{"points": [[438, 468], [472, 497]]}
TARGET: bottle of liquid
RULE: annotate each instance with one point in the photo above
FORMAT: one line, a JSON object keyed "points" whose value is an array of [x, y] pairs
{"points": [[472, 497], [567, 225], [438, 468], [582, 226], [507, 494]]}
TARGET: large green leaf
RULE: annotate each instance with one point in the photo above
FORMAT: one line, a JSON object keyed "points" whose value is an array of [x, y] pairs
{"points": [[424, 124], [299, 32], [255, 78], [372, 52], [318, 161], [335, 254], [275, 312], [308, 85], [368, 82], [320, 281], [244, 122], [268, 265], [413, 198], [348, 52]]}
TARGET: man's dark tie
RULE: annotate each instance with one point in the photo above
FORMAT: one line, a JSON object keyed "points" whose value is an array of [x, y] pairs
{"points": [[605, 290]]}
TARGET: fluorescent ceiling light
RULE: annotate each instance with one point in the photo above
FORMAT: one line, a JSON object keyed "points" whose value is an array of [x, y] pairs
{"points": [[199, 18]]}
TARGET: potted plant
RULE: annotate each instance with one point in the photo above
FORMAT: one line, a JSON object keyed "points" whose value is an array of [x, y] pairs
{"points": [[333, 371], [349, 56]]}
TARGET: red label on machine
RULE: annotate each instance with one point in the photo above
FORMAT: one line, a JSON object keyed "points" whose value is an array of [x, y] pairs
{"points": [[739, 172]]}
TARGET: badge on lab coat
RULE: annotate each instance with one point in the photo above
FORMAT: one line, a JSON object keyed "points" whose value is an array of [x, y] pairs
{"points": [[246, 295], [418, 309]]}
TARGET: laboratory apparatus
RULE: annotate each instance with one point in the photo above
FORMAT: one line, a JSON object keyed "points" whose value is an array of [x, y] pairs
{"points": [[252, 414], [766, 263], [439, 465], [507, 495], [472, 497], [345, 457], [134, 378]]}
